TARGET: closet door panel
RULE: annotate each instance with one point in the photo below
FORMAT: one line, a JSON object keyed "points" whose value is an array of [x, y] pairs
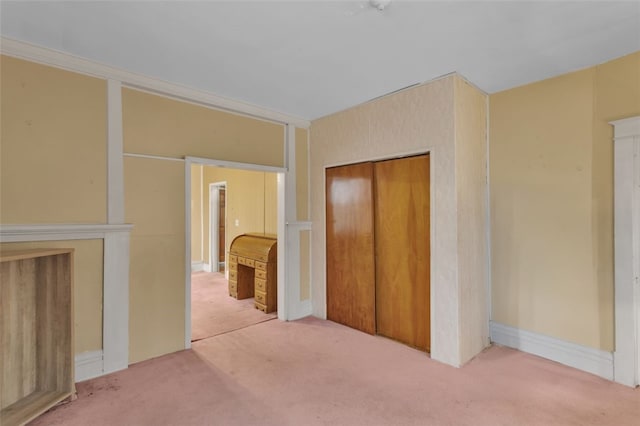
{"points": [[402, 250], [350, 246]]}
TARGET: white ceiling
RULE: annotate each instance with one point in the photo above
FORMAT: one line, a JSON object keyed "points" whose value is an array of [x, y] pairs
{"points": [[312, 58]]}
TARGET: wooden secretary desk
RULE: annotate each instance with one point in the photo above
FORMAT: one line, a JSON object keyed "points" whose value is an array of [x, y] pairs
{"points": [[253, 270]]}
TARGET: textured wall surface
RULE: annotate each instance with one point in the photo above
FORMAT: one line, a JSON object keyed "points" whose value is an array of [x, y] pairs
{"points": [[471, 185], [420, 119]]}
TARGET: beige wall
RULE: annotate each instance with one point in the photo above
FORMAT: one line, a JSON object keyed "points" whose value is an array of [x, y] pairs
{"points": [[551, 185], [251, 198], [53, 152], [155, 197], [87, 288], [53, 170], [165, 127], [302, 174], [154, 200], [196, 213], [420, 119]]}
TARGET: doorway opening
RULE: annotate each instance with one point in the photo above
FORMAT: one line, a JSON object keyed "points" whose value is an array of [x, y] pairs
{"points": [[225, 202]]}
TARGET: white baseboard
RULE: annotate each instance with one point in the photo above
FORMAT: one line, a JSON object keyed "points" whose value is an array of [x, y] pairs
{"points": [[301, 310], [197, 266], [594, 361], [88, 365], [206, 267]]}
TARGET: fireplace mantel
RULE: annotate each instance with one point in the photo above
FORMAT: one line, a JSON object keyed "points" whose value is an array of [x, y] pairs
{"points": [[115, 320]]}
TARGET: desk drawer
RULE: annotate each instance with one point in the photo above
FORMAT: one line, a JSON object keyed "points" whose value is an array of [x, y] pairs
{"points": [[233, 289], [261, 266], [246, 261], [233, 275], [261, 285], [233, 266], [233, 258], [260, 297], [260, 306], [261, 274]]}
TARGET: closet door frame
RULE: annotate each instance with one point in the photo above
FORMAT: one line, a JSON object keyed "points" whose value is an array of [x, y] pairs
{"points": [[431, 221]]}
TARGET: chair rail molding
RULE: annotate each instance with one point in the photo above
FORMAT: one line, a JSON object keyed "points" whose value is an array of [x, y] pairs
{"points": [[626, 357]]}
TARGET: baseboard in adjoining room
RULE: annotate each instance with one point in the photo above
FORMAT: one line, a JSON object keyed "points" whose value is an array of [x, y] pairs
{"points": [[197, 266], [594, 361]]}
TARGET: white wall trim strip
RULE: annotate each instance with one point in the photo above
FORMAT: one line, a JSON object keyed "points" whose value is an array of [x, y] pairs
{"points": [[626, 239], [152, 157], [88, 365], [187, 253], [115, 309], [115, 166], [197, 266], [58, 232], [594, 361], [34, 53]]}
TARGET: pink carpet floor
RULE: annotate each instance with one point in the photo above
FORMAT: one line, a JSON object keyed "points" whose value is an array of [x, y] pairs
{"points": [[315, 372], [214, 312]]}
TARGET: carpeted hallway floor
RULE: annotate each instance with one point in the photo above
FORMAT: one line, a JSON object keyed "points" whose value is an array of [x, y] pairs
{"points": [[214, 312], [315, 372]]}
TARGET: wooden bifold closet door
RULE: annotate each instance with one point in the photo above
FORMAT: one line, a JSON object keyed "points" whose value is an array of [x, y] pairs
{"points": [[350, 250], [402, 250], [378, 258]]}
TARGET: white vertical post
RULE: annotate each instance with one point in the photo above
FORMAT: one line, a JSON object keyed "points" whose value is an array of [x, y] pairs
{"points": [[115, 299], [187, 253], [626, 357], [286, 214], [115, 334], [115, 173]]}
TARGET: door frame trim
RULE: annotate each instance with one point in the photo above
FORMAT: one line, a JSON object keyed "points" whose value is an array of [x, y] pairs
{"points": [[282, 202], [626, 146], [395, 156], [214, 255]]}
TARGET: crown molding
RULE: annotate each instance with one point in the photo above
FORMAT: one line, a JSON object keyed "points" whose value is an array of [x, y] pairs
{"points": [[55, 58]]}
